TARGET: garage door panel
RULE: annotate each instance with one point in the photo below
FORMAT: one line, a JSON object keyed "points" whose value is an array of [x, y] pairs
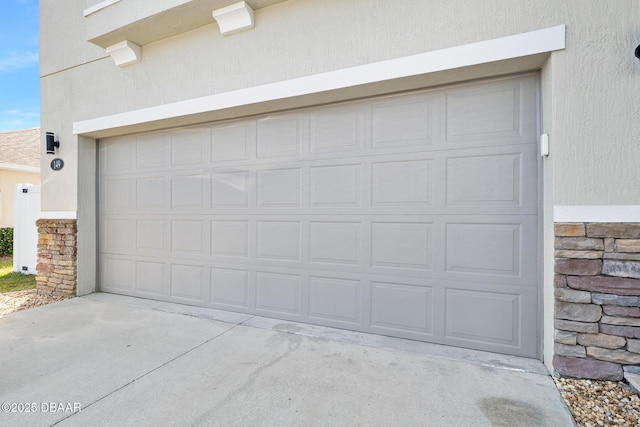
{"points": [[119, 235], [401, 245], [153, 151], [153, 235], [487, 114], [230, 287], [118, 274], [402, 121], [234, 141], [484, 248], [230, 238], [230, 189], [279, 240], [278, 293], [152, 193], [188, 282], [190, 237], [484, 180], [404, 183], [335, 300], [190, 191], [483, 316], [335, 242], [335, 130], [151, 277], [190, 147], [280, 136], [501, 111], [279, 188], [494, 316], [399, 307], [118, 194], [412, 215], [335, 186], [499, 178], [498, 249], [117, 156]]}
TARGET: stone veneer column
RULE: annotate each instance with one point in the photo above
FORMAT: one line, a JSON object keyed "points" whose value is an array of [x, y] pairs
{"points": [[597, 300], [56, 269]]}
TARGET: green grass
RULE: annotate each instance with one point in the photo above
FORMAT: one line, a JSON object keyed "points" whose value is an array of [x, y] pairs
{"points": [[10, 281]]}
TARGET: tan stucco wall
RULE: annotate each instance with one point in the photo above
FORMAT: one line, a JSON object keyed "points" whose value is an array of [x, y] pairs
{"points": [[8, 181]]}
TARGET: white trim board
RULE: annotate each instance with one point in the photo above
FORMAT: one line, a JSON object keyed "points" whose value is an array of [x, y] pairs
{"points": [[600, 213], [93, 9], [504, 48]]}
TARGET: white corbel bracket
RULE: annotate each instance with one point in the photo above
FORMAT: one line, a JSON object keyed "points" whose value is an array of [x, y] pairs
{"points": [[124, 53], [235, 18]]}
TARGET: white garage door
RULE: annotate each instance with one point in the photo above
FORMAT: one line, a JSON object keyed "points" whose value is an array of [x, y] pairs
{"points": [[412, 215]]}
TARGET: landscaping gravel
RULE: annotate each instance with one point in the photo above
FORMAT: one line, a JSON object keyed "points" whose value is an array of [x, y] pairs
{"points": [[22, 300], [600, 403]]}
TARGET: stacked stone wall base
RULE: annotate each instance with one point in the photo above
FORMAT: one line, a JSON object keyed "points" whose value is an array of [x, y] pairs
{"points": [[57, 255], [597, 300]]}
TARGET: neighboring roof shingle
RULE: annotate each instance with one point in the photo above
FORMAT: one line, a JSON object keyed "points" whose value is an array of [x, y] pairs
{"points": [[20, 147]]}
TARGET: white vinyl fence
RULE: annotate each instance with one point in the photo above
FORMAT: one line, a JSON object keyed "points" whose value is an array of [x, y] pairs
{"points": [[25, 231]]}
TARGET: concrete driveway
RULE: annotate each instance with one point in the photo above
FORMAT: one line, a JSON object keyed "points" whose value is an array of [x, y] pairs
{"points": [[113, 360]]}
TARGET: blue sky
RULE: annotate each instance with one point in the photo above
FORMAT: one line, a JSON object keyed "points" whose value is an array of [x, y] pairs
{"points": [[19, 82]]}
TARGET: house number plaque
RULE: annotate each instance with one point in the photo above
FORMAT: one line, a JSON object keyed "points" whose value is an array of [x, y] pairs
{"points": [[57, 164]]}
